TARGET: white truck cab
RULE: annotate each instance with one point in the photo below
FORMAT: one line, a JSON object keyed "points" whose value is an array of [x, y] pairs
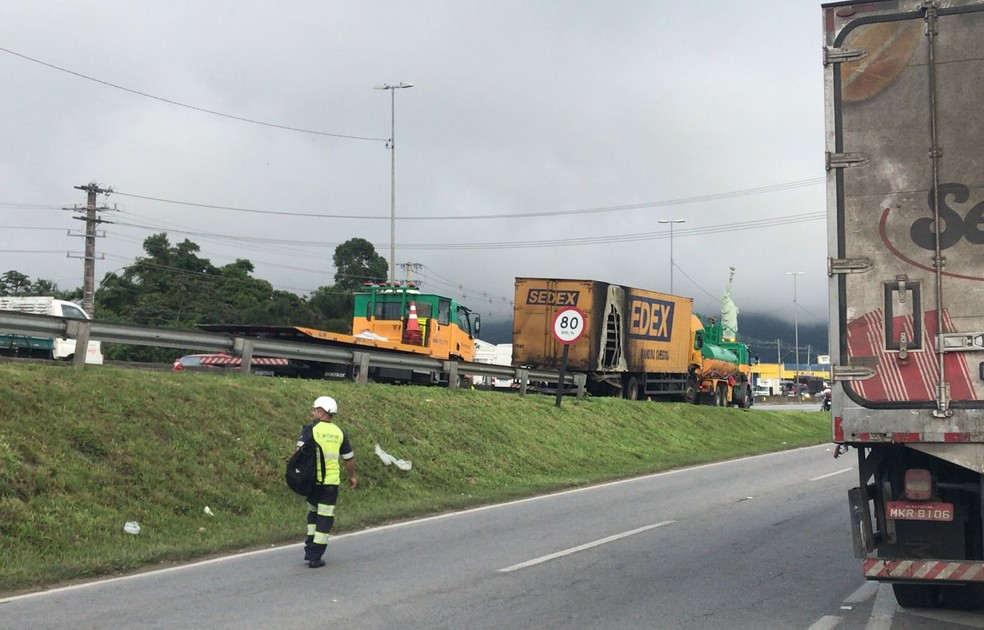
{"points": [[42, 347]]}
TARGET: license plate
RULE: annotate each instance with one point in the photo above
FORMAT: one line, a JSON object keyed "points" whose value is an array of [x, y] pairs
{"points": [[919, 510]]}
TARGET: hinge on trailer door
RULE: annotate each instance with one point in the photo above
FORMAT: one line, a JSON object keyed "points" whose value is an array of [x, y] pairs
{"points": [[942, 401], [850, 372], [960, 342], [849, 265], [902, 279], [844, 160], [840, 55]]}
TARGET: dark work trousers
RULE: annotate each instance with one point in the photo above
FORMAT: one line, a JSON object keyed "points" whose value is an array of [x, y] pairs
{"points": [[320, 518]]}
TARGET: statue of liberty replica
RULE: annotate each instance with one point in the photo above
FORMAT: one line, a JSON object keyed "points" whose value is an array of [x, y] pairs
{"points": [[729, 313]]}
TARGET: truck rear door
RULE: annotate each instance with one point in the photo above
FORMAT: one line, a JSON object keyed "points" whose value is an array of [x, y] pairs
{"points": [[905, 156]]}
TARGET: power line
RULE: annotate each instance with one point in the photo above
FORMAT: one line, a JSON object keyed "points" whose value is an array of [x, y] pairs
{"points": [[29, 227], [185, 105], [32, 251], [17, 205], [755, 224], [520, 215]]}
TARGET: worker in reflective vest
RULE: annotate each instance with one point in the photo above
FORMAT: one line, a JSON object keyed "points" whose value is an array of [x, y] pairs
{"points": [[335, 445]]}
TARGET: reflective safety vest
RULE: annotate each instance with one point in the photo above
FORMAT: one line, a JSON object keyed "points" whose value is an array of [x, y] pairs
{"points": [[330, 438]]}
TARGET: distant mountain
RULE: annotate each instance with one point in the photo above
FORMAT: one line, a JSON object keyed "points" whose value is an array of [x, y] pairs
{"points": [[759, 330]]}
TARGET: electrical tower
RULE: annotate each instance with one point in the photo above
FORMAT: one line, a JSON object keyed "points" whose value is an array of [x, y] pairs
{"points": [[90, 215], [411, 268]]}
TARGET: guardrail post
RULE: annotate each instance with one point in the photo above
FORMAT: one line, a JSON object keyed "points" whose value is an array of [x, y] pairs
{"points": [[244, 348], [360, 365], [523, 376], [80, 331], [580, 380], [451, 368]]}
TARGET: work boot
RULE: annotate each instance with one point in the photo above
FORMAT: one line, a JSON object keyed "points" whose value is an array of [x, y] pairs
{"points": [[314, 563]]}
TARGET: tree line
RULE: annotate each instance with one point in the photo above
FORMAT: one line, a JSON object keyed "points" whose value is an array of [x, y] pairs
{"points": [[174, 287]]}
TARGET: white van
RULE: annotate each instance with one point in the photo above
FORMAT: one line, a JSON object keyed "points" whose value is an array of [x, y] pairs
{"points": [[44, 347]]}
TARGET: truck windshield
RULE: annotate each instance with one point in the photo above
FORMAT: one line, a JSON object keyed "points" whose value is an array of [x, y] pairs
{"points": [[72, 312]]}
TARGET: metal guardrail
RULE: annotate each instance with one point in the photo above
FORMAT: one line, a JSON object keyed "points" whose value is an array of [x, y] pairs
{"points": [[361, 359]]}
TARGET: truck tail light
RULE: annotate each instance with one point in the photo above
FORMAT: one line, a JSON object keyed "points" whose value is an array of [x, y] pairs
{"points": [[918, 484]]}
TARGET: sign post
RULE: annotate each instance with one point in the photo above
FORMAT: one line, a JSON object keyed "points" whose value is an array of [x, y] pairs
{"points": [[568, 326]]}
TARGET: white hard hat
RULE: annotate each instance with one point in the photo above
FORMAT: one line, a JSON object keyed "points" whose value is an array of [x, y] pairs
{"points": [[327, 403]]}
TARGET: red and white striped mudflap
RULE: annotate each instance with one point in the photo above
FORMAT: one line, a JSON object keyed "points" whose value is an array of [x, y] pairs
{"points": [[924, 570], [237, 361], [268, 361]]}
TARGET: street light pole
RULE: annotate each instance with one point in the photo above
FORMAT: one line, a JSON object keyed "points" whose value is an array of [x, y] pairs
{"points": [[392, 148], [671, 222], [796, 327]]}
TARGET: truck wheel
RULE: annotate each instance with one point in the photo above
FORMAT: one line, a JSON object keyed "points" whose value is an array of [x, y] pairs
{"points": [[969, 597], [722, 395], [916, 595], [631, 389], [691, 392], [745, 397]]}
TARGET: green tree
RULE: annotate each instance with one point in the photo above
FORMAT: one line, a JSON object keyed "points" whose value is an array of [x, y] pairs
{"points": [[14, 283], [334, 308], [357, 262]]}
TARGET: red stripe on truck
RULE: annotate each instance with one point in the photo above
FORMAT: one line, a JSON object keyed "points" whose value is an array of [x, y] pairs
{"points": [[924, 570]]}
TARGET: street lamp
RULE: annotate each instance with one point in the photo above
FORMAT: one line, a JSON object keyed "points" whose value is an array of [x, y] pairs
{"points": [[392, 148], [796, 333], [671, 222]]}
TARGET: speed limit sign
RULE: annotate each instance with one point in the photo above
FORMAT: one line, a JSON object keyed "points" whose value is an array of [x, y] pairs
{"points": [[568, 324]]}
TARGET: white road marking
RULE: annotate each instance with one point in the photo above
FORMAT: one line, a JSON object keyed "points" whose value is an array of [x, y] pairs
{"points": [[884, 609], [825, 623], [567, 552], [865, 592], [833, 474]]}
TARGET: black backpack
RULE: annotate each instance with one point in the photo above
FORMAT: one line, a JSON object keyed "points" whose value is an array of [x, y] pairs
{"points": [[302, 468]]}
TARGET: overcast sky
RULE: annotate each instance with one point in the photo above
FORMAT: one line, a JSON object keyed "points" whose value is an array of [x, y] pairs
{"points": [[532, 127]]}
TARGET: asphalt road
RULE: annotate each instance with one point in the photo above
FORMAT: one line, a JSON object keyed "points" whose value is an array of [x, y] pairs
{"points": [[759, 543]]}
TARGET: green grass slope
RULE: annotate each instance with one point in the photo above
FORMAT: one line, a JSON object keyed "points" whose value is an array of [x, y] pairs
{"points": [[84, 451]]}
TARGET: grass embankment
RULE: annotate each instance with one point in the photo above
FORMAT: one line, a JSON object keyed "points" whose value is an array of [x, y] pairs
{"points": [[82, 452]]}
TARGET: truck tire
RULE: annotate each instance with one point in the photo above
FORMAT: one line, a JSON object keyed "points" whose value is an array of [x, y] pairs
{"points": [[916, 595], [691, 392], [631, 389], [722, 395], [745, 396], [968, 597]]}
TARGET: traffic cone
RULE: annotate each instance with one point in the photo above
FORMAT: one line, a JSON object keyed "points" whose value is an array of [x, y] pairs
{"points": [[412, 334]]}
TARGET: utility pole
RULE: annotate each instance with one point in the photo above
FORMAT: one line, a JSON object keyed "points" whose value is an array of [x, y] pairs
{"points": [[391, 144], [91, 218], [796, 330], [410, 268], [671, 222], [779, 366]]}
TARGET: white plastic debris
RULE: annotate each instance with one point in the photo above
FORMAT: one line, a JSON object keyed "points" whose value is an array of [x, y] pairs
{"points": [[388, 459], [208, 511], [132, 527]]}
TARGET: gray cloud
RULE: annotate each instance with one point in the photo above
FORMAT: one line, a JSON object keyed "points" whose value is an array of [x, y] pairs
{"points": [[518, 107]]}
